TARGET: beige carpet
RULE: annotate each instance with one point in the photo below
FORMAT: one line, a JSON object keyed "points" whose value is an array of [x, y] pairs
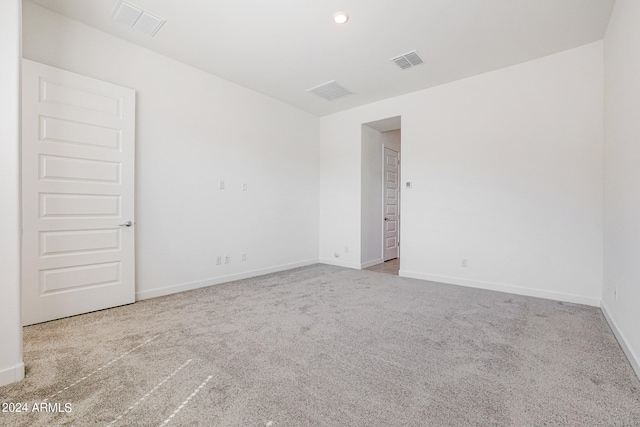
{"points": [[326, 346]]}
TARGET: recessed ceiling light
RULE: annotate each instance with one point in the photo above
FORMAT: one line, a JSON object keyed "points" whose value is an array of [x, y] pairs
{"points": [[340, 17]]}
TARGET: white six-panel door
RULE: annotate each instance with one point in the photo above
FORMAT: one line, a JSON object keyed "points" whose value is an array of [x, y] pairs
{"points": [[78, 139], [391, 206]]}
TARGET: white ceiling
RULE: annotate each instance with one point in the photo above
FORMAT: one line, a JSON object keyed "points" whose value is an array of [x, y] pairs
{"points": [[283, 48]]}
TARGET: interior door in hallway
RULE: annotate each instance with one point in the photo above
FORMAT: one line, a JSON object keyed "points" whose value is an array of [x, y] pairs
{"points": [[391, 205], [78, 139]]}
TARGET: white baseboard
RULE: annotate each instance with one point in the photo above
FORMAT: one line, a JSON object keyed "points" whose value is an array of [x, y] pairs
{"points": [[538, 293], [633, 358], [371, 263], [12, 374], [352, 265], [168, 290]]}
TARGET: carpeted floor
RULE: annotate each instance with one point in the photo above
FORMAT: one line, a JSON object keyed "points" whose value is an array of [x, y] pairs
{"points": [[327, 346]]}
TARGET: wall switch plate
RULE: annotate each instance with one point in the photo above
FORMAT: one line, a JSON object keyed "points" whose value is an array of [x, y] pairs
{"points": [[346, 249], [227, 258], [244, 187], [243, 256], [464, 262], [408, 184], [218, 260], [221, 187]]}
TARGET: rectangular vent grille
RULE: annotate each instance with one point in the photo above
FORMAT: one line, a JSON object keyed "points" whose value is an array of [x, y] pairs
{"points": [[330, 91], [133, 16], [408, 60]]}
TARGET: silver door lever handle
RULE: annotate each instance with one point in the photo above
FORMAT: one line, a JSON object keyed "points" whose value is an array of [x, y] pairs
{"points": [[126, 224]]}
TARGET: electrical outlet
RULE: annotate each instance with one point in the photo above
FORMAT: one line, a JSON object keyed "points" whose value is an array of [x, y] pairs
{"points": [[464, 262], [243, 256], [221, 187], [218, 260], [244, 187], [227, 258]]}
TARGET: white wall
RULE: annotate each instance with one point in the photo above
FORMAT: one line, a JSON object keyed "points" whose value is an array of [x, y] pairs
{"points": [[193, 130], [11, 365], [372, 192], [622, 176], [507, 172]]}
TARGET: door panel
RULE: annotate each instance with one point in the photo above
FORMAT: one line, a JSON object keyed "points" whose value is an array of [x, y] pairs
{"points": [[77, 189], [54, 243], [391, 217]]}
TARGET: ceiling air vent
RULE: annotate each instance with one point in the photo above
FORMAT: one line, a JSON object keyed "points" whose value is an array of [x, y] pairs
{"points": [[330, 91], [408, 60], [133, 16]]}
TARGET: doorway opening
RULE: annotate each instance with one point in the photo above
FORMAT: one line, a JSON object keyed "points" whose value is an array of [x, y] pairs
{"points": [[380, 204]]}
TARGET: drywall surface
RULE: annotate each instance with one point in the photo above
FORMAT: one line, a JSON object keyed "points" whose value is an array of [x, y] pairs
{"points": [[621, 295], [507, 173], [11, 365], [392, 139], [193, 131], [372, 218]]}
